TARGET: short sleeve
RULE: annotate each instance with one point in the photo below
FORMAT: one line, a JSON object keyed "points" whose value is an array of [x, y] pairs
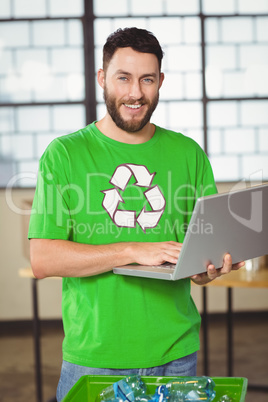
{"points": [[50, 210]]}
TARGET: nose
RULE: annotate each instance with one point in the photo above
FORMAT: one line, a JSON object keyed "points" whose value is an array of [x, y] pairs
{"points": [[135, 91]]}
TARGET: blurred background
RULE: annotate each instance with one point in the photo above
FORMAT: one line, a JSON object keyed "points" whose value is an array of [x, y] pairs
{"points": [[216, 91]]}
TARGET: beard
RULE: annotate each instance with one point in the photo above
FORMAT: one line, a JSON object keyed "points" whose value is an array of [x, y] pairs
{"points": [[132, 125]]}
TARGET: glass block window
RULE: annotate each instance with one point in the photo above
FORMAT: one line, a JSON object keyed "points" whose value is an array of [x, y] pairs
{"points": [[237, 59], [234, 7], [237, 72], [140, 7], [41, 61], [42, 84], [238, 140], [26, 131]]}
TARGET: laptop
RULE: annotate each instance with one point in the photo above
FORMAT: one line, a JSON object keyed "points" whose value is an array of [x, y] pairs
{"points": [[234, 222]]}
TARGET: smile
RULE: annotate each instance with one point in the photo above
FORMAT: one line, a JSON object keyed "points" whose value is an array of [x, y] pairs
{"points": [[133, 106]]}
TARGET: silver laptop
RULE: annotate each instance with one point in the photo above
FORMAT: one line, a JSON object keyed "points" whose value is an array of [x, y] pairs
{"points": [[235, 222]]}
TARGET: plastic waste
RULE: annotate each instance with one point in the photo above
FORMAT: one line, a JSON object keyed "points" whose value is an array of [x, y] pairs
{"points": [[191, 389], [180, 389], [225, 398], [126, 389], [161, 395]]}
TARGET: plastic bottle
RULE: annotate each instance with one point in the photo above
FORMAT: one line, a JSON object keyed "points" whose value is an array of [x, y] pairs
{"points": [[191, 389], [160, 395], [126, 389]]}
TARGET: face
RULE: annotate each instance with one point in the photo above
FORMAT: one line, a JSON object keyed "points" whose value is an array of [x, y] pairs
{"points": [[131, 88]]}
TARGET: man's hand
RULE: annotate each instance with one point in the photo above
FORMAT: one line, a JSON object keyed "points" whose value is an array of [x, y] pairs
{"points": [[212, 272], [155, 253]]}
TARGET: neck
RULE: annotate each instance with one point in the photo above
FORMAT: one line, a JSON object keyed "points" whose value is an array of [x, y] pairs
{"points": [[110, 129]]}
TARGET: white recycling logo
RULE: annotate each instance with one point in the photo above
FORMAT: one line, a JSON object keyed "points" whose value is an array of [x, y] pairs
{"points": [[112, 198]]}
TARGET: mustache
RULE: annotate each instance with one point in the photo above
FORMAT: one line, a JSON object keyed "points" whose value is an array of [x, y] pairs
{"points": [[132, 101]]}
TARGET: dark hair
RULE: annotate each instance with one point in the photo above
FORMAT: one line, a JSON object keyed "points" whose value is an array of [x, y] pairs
{"points": [[138, 39]]}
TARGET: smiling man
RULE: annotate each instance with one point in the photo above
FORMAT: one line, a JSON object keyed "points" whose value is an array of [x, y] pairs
{"points": [[121, 191], [131, 83]]}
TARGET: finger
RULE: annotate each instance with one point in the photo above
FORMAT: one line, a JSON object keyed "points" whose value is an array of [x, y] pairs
{"points": [[212, 272], [169, 258], [173, 242], [227, 264], [173, 254], [197, 277], [227, 259], [173, 245], [238, 265], [200, 279]]}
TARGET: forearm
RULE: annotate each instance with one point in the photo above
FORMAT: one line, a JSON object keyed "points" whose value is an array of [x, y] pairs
{"points": [[69, 259]]}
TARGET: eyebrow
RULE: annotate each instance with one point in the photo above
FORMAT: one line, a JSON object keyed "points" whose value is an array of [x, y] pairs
{"points": [[129, 74]]}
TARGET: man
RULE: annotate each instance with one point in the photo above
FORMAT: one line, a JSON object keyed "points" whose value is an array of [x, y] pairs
{"points": [[122, 191]]}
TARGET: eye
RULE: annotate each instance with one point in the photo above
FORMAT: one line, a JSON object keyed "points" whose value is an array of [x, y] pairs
{"points": [[122, 78], [148, 80]]}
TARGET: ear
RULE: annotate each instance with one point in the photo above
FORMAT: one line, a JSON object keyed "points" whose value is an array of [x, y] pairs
{"points": [[101, 77], [162, 76]]}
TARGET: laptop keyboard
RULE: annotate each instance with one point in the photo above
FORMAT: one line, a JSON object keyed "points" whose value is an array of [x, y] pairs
{"points": [[164, 266]]}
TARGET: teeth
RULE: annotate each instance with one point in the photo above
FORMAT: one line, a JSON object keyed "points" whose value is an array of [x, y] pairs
{"points": [[133, 106]]}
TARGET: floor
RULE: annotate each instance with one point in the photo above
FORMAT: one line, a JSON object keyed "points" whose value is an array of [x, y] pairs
{"points": [[17, 374]]}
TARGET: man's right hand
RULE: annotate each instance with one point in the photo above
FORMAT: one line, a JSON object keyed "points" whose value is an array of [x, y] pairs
{"points": [[156, 253]]}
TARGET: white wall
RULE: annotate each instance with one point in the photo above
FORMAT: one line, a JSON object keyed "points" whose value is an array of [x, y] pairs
{"points": [[15, 292]]}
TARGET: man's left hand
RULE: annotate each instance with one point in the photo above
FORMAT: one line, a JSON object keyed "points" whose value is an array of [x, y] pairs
{"points": [[213, 273]]}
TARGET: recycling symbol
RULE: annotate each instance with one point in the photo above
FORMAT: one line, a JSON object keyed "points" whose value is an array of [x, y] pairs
{"points": [[112, 198]]}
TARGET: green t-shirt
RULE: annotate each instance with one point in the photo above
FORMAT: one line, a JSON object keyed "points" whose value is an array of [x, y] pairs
{"points": [[95, 190]]}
